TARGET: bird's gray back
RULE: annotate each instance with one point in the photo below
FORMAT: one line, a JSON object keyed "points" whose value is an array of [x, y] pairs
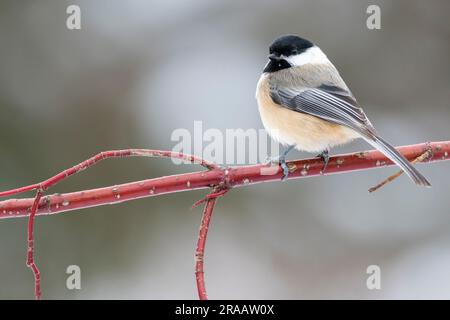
{"points": [[308, 76]]}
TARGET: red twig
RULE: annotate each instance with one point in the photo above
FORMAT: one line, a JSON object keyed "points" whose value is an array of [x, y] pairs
{"points": [[423, 157], [233, 177], [221, 179], [41, 187], [108, 155], [30, 250], [200, 251], [210, 200]]}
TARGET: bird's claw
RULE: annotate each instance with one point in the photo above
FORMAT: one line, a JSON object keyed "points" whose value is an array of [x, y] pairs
{"points": [[326, 159], [285, 169], [279, 161]]}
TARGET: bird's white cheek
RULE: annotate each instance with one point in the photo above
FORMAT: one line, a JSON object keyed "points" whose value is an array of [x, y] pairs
{"points": [[311, 56]]}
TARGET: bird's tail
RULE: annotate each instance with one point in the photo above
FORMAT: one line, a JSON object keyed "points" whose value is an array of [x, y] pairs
{"points": [[390, 152]]}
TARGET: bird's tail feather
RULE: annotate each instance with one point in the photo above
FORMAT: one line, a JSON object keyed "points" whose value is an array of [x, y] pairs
{"points": [[390, 152]]}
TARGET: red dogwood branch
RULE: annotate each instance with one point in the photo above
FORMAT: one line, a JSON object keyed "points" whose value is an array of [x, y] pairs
{"points": [[218, 178], [202, 234], [44, 185], [30, 249]]}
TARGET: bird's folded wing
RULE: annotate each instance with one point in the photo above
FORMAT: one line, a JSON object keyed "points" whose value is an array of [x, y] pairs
{"points": [[327, 102]]}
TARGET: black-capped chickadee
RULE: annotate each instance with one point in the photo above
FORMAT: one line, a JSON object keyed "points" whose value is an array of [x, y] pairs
{"points": [[305, 104]]}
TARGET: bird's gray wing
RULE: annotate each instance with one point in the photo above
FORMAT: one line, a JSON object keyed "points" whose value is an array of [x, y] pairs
{"points": [[328, 102], [338, 105]]}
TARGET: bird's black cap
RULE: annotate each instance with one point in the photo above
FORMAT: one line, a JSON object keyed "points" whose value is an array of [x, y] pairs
{"points": [[289, 45]]}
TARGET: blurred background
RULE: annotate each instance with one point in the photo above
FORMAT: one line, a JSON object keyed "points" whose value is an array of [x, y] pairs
{"points": [[138, 70]]}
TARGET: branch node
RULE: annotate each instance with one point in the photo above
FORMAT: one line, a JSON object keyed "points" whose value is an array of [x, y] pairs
{"points": [[426, 155], [217, 192]]}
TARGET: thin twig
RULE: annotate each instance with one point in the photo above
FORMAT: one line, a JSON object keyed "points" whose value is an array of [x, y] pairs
{"points": [[108, 155], [202, 234], [30, 248], [424, 156]]}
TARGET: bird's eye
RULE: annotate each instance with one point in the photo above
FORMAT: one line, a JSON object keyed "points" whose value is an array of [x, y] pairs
{"points": [[294, 51]]}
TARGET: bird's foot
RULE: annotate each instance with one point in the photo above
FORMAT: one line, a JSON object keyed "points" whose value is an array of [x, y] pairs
{"points": [[285, 169], [326, 158], [279, 161]]}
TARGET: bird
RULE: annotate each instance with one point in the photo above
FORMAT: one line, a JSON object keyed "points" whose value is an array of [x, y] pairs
{"points": [[305, 104]]}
